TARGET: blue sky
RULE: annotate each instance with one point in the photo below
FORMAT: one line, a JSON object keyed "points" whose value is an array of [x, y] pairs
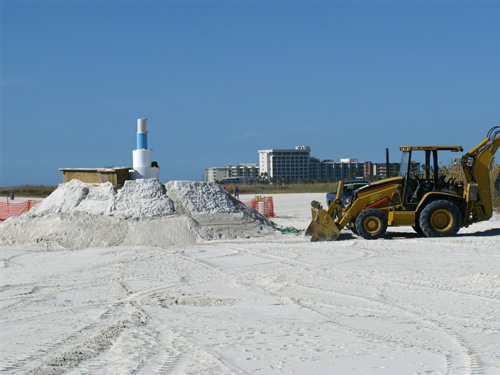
{"points": [[219, 80]]}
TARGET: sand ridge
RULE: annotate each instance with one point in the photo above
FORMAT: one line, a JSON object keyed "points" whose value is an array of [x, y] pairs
{"points": [[144, 212]]}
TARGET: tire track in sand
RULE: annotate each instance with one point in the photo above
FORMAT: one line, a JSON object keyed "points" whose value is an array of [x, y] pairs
{"points": [[464, 359]]}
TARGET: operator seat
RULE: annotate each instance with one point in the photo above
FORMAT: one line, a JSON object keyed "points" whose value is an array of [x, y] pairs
{"points": [[411, 187]]}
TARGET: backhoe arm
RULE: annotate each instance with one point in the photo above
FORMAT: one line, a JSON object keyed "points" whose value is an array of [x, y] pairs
{"points": [[476, 167]]}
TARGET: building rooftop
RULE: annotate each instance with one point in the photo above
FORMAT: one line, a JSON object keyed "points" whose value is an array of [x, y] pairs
{"points": [[110, 169]]}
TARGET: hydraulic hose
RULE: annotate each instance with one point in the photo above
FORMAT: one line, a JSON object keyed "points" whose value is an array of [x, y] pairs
{"points": [[497, 184]]}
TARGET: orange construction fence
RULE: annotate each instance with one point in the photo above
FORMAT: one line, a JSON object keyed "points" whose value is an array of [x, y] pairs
{"points": [[15, 207], [263, 205]]}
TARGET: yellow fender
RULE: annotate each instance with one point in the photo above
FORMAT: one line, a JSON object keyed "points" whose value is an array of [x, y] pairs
{"points": [[432, 194]]}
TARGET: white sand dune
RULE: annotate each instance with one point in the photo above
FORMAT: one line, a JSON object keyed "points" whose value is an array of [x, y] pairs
{"points": [[79, 215], [268, 304]]}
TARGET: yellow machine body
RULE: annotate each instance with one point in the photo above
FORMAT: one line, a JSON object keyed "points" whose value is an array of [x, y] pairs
{"points": [[431, 206]]}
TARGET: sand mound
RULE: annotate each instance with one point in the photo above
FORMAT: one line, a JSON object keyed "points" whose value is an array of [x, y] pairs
{"points": [[63, 200], [144, 199], [194, 197], [99, 200], [137, 199], [59, 231], [210, 204], [80, 230], [78, 215], [221, 215]]}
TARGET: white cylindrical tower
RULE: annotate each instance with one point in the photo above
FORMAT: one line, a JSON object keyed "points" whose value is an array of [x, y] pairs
{"points": [[141, 125], [142, 159], [142, 134]]}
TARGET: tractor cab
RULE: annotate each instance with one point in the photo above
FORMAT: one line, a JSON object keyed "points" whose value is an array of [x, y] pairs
{"points": [[421, 173]]}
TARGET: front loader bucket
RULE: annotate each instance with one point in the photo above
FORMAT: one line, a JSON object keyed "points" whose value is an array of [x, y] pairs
{"points": [[322, 226]]}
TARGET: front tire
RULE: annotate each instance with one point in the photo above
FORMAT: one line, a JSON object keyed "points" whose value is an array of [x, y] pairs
{"points": [[440, 218], [371, 224]]}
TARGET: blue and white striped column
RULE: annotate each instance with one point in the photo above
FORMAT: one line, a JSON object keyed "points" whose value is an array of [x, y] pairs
{"points": [[142, 158], [142, 134]]}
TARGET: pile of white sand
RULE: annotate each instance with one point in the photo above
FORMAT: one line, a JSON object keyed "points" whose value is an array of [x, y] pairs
{"points": [[137, 199], [143, 212], [209, 204]]}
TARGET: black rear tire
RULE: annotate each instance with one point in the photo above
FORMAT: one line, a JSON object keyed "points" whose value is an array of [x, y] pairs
{"points": [[440, 218], [371, 224]]}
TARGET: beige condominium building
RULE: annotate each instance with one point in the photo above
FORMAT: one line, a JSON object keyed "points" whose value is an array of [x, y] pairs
{"points": [[229, 173], [288, 164]]}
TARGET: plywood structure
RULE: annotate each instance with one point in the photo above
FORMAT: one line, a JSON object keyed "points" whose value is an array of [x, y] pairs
{"points": [[116, 175]]}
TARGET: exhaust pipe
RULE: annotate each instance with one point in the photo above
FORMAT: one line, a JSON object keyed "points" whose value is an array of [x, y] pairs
{"points": [[387, 164]]}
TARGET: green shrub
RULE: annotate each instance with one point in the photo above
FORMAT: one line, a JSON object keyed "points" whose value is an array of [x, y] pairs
{"points": [[457, 172], [38, 191]]}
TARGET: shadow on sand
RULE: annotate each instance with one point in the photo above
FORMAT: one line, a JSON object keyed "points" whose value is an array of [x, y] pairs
{"points": [[485, 233], [388, 236], [394, 235]]}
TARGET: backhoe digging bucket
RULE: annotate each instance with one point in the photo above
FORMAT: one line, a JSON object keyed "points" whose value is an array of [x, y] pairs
{"points": [[322, 226]]}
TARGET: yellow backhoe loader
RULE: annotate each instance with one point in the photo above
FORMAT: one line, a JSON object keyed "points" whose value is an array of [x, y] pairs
{"points": [[433, 204]]}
